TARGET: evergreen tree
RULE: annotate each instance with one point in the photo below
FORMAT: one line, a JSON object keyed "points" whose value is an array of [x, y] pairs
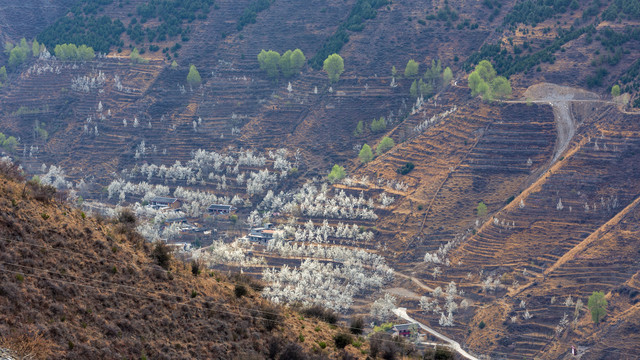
{"points": [[17, 56], [481, 209], [3, 74], [193, 78], [597, 306], [35, 48], [411, 70], [433, 75], [285, 64], [378, 125], [385, 145], [136, 58], [414, 89], [447, 76], [334, 67], [359, 129], [426, 89], [615, 90], [484, 81], [500, 87], [269, 61], [174, 65], [297, 60], [337, 173], [365, 154]]}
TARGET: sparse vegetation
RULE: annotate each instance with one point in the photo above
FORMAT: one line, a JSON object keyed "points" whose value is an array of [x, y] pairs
{"points": [[162, 254], [342, 340]]}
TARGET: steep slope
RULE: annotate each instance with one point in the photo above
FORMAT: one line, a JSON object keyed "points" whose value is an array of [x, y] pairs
{"points": [[76, 287]]}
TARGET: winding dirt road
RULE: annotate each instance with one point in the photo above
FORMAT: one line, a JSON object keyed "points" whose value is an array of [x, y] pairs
{"points": [[402, 313]]}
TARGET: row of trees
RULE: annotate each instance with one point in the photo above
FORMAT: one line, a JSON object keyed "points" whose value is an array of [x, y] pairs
{"points": [[485, 82], [20, 52], [72, 52], [289, 64]]}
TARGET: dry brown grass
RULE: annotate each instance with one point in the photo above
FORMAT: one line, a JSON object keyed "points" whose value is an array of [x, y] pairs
{"points": [[27, 346]]}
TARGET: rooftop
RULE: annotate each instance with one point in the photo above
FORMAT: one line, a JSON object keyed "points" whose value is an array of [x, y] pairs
{"points": [[163, 200]]}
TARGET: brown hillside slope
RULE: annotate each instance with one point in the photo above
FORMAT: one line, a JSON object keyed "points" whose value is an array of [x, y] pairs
{"points": [[89, 289]]}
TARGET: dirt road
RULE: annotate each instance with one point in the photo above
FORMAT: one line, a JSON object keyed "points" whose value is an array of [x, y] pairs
{"points": [[402, 312]]}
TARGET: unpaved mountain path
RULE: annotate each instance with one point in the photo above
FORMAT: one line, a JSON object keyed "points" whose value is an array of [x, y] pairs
{"points": [[560, 99], [402, 313]]}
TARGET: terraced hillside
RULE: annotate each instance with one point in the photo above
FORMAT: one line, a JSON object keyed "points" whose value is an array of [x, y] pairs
{"points": [[524, 204]]}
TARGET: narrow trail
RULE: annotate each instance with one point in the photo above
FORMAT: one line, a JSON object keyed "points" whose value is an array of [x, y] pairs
{"points": [[414, 280], [402, 312]]}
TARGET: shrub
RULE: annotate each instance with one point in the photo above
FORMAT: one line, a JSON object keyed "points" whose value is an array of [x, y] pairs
{"points": [[356, 326], [240, 290], [196, 267], [194, 293], [342, 340], [41, 192], [481, 325], [406, 168], [127, 217], [322, 344], [293, 351], [270, 318], [11, 170], [318, 312], [162, 254], [273, 347]]}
